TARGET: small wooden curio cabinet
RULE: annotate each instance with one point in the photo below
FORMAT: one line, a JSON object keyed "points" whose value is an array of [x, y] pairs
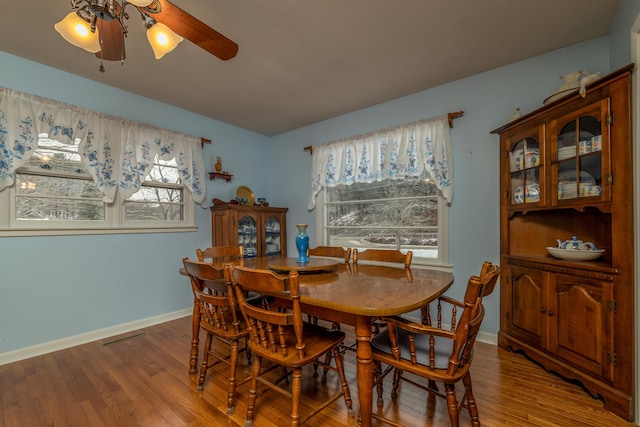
{"points": [[260, 230], [567, 170]]}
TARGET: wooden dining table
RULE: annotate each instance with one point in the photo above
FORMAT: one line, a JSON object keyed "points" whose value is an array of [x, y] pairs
{"points": [[356, 294]]}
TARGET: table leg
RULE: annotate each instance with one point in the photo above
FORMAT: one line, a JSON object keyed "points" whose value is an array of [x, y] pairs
{"points": [[195, 337], [365, 371]]}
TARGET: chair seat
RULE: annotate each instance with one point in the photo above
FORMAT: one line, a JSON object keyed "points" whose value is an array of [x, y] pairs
{"points": [[443, 347], [318, 340]]}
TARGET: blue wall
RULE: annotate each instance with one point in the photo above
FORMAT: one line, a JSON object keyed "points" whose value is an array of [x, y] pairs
{"points": [[487, 99], [620, 34], [60, 286], [56, 287]]}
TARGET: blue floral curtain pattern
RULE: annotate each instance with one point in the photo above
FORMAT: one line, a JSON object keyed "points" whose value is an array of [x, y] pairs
{"points": [[395, 153], [117, 153]]}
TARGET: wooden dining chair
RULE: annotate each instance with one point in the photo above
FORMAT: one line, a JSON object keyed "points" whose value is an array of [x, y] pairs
{"points": [[331, 252], [383, 255], [210, 254], [281, 337], [222, 319], [436, 352], [426, 310], [220, 253]]}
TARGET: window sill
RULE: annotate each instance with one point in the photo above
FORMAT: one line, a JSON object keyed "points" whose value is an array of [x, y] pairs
{"points": [[88, 231]]}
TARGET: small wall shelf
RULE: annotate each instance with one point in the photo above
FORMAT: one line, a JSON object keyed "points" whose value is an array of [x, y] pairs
{"points": [[225, 176]]}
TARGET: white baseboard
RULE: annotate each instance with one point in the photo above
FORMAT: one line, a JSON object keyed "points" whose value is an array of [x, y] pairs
{"points": [[487, 338], [51, 346]]}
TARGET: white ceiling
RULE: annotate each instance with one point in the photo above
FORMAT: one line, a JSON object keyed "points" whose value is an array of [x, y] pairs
{"points": [[304, 61]]}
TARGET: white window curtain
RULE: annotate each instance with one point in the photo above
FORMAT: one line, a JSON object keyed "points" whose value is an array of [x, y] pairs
{"points": [[116, 152], [394, 153]]}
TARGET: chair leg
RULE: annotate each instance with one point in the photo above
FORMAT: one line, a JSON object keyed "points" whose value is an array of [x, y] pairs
{"points": [[377, 380], [296, 386], [327, 361], [253, 390], [343, 381], [397, 374], [471, 401], [247, 351], [195, 337], [233, 363], [452, 404], [205, 362]]}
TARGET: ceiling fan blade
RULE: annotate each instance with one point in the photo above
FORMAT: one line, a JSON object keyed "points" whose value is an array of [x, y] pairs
{"points": [[193, 30], [111, 40]]}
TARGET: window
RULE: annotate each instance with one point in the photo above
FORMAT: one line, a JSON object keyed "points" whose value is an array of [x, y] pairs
{"points": [[161, 197], [53, 190], [405, 214]]}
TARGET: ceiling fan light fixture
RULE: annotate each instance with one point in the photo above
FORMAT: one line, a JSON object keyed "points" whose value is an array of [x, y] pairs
{"points": [[77, 31], [162, 39], [140, 3]]}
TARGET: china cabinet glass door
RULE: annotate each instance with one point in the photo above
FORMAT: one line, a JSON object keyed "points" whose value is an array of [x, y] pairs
{"points": [[248, 236], [272, 236], [525, 165], [581, 149]]}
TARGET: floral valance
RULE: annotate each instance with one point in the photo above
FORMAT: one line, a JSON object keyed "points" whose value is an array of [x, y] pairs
{"points": [[117, 153], [394, 153]]}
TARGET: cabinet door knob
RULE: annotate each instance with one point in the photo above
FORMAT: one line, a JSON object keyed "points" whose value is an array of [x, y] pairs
{"points": [[550, 313], [543, 310]]}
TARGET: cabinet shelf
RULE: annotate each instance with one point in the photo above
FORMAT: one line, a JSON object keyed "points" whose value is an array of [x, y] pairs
{"points": [[213, 175], [554, 264]]}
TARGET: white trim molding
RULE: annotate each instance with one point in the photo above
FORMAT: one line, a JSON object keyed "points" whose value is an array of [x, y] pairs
{"points": [[63, 343]]}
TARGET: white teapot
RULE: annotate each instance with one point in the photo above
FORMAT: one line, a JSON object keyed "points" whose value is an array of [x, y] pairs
{"points": [[575, 244]]}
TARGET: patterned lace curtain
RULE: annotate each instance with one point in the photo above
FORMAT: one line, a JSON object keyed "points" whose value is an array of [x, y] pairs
{"points": [[117, 153], [395, 153]]}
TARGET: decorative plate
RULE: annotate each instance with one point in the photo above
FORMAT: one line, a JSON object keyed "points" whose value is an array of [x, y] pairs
{"points": [[531, 159], [530, 195], [559, 94], [569, 176], [575, 255], [245, 193]]}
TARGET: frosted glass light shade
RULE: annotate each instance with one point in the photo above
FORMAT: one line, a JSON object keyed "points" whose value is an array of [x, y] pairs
{"points": [[140, 3], [162, 39], [77, 31]]}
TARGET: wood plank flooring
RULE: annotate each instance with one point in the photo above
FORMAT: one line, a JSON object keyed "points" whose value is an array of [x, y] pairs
{"points": [[141, 379]]}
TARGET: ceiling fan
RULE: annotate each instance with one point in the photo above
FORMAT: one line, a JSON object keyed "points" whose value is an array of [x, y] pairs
{"points": [[98, 26]]}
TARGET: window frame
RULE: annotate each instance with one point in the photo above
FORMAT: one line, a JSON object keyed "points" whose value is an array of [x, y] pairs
{"points": [[443, 231], [113, 223]]}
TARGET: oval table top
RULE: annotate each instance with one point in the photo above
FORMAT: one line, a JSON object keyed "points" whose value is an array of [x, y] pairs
{"points": [[369, 290]]}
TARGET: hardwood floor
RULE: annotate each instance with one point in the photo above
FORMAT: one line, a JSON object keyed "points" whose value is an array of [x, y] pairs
{"points": [[141, 379]]}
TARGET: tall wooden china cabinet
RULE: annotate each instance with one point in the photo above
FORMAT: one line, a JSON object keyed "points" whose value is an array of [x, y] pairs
{"points": [[567, 170], [260, 230]]}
